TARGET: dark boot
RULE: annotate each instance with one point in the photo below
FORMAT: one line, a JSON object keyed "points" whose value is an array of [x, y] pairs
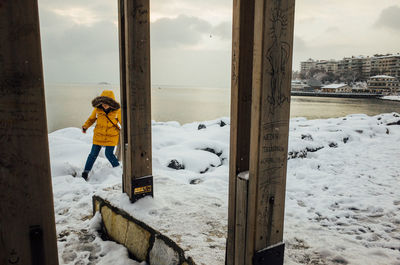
{"points": [[85, 175]]}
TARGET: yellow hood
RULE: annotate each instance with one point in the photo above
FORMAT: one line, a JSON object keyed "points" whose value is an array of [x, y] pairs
{"points": [[108, 93], [107, 97]]}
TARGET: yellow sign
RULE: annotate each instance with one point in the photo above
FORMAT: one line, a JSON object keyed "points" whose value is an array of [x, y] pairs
{"points": [[141, 190]]}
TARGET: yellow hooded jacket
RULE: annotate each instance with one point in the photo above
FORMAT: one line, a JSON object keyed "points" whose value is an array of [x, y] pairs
{"points": [[105, 133]]}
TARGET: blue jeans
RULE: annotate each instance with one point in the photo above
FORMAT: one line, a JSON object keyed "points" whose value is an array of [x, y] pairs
{"points": [[95, 152]]}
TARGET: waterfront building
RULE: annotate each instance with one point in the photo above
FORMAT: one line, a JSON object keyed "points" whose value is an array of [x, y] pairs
{"points": [[358, 67], [352, 65], [383, 84], [386, 65], [336, 88], [328, 66], [298, 85], [308, 65], [332, 66], [366, 68], [360, 90], [313, 85], [360, 87]]}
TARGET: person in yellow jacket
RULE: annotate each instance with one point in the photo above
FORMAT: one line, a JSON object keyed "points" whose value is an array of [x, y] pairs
{"points": [[107, 115]]}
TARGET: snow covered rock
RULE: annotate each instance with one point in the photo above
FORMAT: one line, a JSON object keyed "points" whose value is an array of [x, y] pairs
{"points": [[201, 126], [174, 164]]}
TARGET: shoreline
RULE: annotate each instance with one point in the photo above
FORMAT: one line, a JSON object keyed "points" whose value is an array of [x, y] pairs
{"points": [[334, 95], [391, 98]]}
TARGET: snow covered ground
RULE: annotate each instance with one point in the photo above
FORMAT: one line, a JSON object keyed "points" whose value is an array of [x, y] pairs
{"points": [[396, 98], [342, 205]]}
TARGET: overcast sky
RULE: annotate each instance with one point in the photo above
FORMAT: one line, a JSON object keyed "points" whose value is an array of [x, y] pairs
{"points": [[191, 39]]}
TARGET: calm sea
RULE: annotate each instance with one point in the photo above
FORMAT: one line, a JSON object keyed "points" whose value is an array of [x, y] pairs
{"points": [[69, 105]]}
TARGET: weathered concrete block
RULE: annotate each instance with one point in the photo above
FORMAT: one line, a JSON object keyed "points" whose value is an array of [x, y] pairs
{"points": [[138, 237], [115, 224], [119, 228], [137, 241], [106, 214], [96, 206], [162, 254]]}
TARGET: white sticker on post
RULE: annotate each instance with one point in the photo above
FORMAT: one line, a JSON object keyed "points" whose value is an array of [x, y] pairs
{"points": [[244, 175]]}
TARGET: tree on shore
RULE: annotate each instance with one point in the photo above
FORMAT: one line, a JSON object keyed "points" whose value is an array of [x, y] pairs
{"points": [[347, 77], [350, 77]]}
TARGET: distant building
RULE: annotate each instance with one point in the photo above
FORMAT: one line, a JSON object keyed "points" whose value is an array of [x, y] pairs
{"points": [[330, 66], [351, 65], [360, 67], [312, 85], [366, 68], [308, 89], [298, 85], [360, 88], [383, 84], [336, 88], [308, 65], [386, 65]]}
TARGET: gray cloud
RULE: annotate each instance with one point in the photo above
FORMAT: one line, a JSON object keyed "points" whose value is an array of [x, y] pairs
{"points": [[299, 44], [185, 31], [191, 68], [389, 18], [224, 30], [332, 30], [78, 53], [103, 8], [84, 41], [177, 6], [75, 52], [89, 53]]}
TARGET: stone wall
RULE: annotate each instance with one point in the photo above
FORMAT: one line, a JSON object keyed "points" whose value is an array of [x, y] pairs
{"points": [[143, 242]]}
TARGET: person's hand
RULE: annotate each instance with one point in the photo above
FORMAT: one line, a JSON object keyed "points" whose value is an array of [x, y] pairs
{"points": [[84, 129]]}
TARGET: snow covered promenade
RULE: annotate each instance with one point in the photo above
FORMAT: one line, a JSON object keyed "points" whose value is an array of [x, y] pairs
{"points": [[342, 201], [396, 98]]}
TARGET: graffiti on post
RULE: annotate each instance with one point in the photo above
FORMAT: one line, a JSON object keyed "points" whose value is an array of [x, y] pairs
{"points": [[277, 56]]}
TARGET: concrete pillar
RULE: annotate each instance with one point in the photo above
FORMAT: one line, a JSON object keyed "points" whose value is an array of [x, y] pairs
{"points": [[27, 228]]}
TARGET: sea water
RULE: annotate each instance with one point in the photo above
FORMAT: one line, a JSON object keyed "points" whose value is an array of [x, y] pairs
{"points": [[69, 105]]}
